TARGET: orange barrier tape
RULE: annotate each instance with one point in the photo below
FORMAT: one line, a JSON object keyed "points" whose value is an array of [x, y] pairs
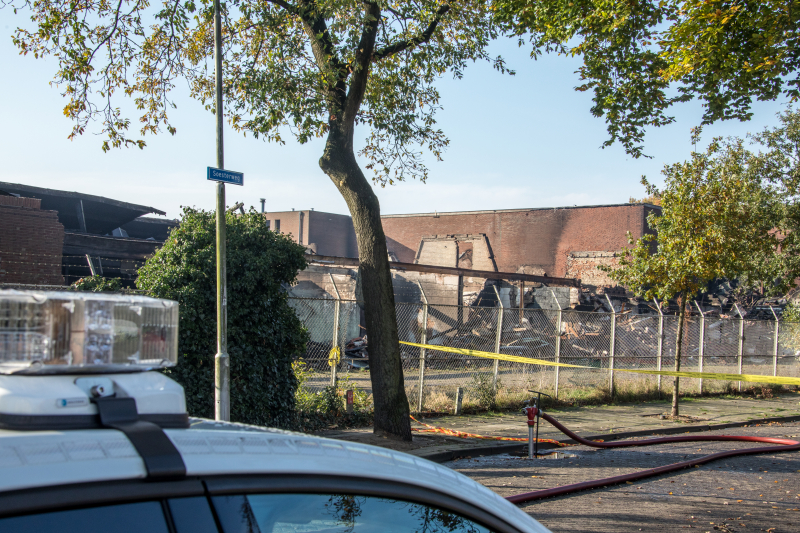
{"points": [[463, 435]]}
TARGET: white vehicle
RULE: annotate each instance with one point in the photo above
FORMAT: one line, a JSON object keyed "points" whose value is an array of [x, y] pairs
{"points": [[92, 440]]}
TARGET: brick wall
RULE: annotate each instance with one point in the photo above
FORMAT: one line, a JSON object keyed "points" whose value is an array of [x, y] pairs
{"points": [[333, 234], [531, 240], [289, 223], [330, 234], [33, 203], [31, 242]]}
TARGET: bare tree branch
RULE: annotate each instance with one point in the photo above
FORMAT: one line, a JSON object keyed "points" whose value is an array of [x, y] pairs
{"points": [[317, 31], [360, 67], [285, 5], [110, 33], [411, 43]]}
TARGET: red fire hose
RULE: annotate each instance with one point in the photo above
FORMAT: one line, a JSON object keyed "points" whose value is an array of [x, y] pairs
{"points": [[787, 445]]}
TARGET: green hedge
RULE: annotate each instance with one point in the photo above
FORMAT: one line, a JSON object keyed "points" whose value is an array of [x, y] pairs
{"points": [[264, 334]]}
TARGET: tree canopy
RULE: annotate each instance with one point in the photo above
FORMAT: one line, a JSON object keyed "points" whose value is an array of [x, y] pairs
{"points": [[289, 67], [726, 213], [641, 57], [306, 68]]}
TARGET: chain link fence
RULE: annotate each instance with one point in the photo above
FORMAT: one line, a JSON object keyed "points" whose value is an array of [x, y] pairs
{"points": [[603, 343]]}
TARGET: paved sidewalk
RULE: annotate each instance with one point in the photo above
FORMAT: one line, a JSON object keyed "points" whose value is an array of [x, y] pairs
{"points": [[638, 419]]}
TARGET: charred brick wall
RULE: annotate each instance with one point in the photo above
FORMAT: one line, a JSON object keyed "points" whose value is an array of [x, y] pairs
{"points": [[31, 242], [332, 234], [530, 240]]}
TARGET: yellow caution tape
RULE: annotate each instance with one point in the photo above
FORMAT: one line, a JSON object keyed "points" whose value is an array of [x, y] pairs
{"points": [[334, 356], [705, 375]]}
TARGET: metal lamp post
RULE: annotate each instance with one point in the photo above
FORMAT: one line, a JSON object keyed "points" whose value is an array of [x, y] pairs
{"points": [[222, 405]]}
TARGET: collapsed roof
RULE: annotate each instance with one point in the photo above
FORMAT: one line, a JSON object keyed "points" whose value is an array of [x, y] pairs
{"points": [[99, 215]]}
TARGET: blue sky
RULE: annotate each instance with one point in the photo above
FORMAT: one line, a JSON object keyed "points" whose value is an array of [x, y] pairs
{"points": [[516, 141]]}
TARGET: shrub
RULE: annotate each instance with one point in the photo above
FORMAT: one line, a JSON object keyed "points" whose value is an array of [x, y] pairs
{"points": [[264, 334], [485, 390], [319, 409], [97, 284]]}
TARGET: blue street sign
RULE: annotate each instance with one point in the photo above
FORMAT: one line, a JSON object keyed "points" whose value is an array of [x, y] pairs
{"points": [[225, 176]]}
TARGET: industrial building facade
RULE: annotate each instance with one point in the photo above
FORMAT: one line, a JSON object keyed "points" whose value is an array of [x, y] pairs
{"points": [[322, 233], [80, 231], [563, 242], [568, 242]]}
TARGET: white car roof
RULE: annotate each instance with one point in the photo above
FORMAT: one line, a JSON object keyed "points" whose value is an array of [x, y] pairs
{"points": [[49, 458]]}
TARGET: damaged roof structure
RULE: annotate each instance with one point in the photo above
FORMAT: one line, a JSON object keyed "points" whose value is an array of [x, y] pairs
{"points": [[99, 235], [559, 243]]}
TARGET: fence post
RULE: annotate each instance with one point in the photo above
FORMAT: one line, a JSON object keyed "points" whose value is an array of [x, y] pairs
{"points": [[775, 343], [335, 342], [422, 351], [701, 348], [460, 304], [612, 342], [558, 342], [660, 341], [521, 318], [498, 337], [741, 340]]}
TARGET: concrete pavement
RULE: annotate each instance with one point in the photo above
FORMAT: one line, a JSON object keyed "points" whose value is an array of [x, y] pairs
{"points": [[734, 495], [738, 494], [623, 421]]}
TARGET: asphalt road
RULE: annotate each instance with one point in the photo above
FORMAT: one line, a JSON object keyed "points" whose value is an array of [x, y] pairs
{"points": [[750, 493]]}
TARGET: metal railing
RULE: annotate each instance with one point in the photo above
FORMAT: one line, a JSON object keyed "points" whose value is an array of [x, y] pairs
{"points": [[602, 343]]}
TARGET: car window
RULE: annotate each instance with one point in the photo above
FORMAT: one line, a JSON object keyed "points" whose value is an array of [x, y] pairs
{"points": [[334, 513], [127, 518], [192, 515]]}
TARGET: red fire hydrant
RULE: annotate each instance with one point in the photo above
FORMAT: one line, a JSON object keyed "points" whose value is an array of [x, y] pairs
{"points": [[534, 414], [533, 419]]}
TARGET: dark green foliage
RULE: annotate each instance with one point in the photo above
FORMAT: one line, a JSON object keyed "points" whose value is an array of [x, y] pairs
{"points": [[641, 57], [97, 284], [264, 334]]}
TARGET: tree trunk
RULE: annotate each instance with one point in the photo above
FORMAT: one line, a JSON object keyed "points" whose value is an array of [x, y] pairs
{"points": [[386, 371], [678, 350]]}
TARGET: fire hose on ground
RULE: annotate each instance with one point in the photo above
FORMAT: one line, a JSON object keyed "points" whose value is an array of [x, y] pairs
{"points": [[534, 413]]}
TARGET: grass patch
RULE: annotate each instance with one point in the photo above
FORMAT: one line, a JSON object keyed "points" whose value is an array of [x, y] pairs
{"points": [[479, 397], [326, 408]]}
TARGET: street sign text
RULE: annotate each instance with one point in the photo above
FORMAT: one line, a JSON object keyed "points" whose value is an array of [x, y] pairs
{"points": [[225, 176]]}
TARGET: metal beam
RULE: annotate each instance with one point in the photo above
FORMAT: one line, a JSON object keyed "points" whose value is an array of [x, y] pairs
{"points": [[91, 265], [81, 216], [432, 269]]}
